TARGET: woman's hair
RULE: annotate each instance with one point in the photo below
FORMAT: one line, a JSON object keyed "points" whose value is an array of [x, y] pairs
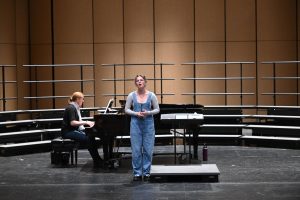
{"points": [[75, 96], [143, 76]]}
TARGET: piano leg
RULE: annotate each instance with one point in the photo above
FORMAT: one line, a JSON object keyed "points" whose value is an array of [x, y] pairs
{"points": [[107, 147], [195, 143]]}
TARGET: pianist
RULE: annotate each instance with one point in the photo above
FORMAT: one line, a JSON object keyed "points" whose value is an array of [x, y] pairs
{"points": [[73, 127], [144, 105]]}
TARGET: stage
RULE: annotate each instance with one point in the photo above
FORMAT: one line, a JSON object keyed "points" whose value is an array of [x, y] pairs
{"points": [[245, 173]]}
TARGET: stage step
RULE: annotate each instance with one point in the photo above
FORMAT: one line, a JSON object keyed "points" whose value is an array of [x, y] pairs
{"points": [[25, 148], [21, 136], [185, 173]]}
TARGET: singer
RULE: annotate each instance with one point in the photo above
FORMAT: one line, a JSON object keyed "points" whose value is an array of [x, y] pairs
{"points": [[142, 132]]}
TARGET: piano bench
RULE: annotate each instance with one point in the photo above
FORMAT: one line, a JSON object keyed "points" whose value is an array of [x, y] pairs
{"points": [[62, 149]]}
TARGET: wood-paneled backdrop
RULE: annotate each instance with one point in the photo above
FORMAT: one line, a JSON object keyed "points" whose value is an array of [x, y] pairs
{"points": [[148, 31]]}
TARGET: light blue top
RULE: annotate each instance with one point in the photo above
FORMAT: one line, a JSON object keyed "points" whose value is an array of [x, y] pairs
{"points": [[154, 104]]}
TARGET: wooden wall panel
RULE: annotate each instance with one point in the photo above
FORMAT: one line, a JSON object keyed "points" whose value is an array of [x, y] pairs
{"points": [[298, 21], [173, 31], [138, 21], [210, 51], [209, 20], [22, 52], [206, 52], [242, 51], [23, 75], [10, 89], [276, 20], [276, 41], [73, 22], [108, 21], [40, 22], [7, 21], [7, 54], [73, 53], [240, 20], [176, 53], [41, 54], [7, 32], [107, 53], [174, 20], [139, 53], [281, 50], [41, 51], [22, 22]]}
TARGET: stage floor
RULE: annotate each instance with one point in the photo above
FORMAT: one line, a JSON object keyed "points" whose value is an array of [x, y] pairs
{"points": [[245, 173]]}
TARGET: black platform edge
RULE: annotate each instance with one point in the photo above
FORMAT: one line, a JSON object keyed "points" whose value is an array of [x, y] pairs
{"points": [[184, 178], [282, 144]]}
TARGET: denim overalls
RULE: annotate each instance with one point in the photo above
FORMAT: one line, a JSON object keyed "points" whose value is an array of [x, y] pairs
{"points": [[142, 134]]}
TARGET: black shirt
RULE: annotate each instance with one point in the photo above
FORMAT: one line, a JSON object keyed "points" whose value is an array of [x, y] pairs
{"points": [[70, 114]]}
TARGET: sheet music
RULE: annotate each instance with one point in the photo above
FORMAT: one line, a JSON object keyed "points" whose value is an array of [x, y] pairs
{"points": [[181, 116], [195, 116]]}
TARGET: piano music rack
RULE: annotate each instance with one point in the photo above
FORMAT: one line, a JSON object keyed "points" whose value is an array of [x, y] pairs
{"points": [[3, 82], [155, 65], [274, 78], [53, 81], [241, 78]]}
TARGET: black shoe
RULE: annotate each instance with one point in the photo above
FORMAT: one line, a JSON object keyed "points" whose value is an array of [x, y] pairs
{"points": [[147, 177], [137, 178], [98, 164]]}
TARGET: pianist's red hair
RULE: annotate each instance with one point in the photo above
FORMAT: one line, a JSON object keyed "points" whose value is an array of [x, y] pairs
{"points": [[75, 96]]}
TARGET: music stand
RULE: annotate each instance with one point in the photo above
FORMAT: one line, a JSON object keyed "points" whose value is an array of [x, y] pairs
{"points": [[109, 105]]}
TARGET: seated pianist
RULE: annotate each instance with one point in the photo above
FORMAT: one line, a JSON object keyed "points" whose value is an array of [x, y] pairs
{"points": [[73, 127]]}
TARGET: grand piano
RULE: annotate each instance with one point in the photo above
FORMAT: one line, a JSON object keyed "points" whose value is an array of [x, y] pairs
{"points": [[109, 125]]}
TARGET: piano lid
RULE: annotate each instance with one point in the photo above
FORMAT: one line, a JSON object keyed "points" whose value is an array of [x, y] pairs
{"points": [[180, 108], [164, 105]]}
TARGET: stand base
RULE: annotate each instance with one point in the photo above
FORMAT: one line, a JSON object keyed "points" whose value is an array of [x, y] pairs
{"points": [[194, 173]]}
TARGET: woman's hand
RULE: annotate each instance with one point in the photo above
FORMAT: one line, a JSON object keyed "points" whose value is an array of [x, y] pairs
{"points": [[142, 114]]}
